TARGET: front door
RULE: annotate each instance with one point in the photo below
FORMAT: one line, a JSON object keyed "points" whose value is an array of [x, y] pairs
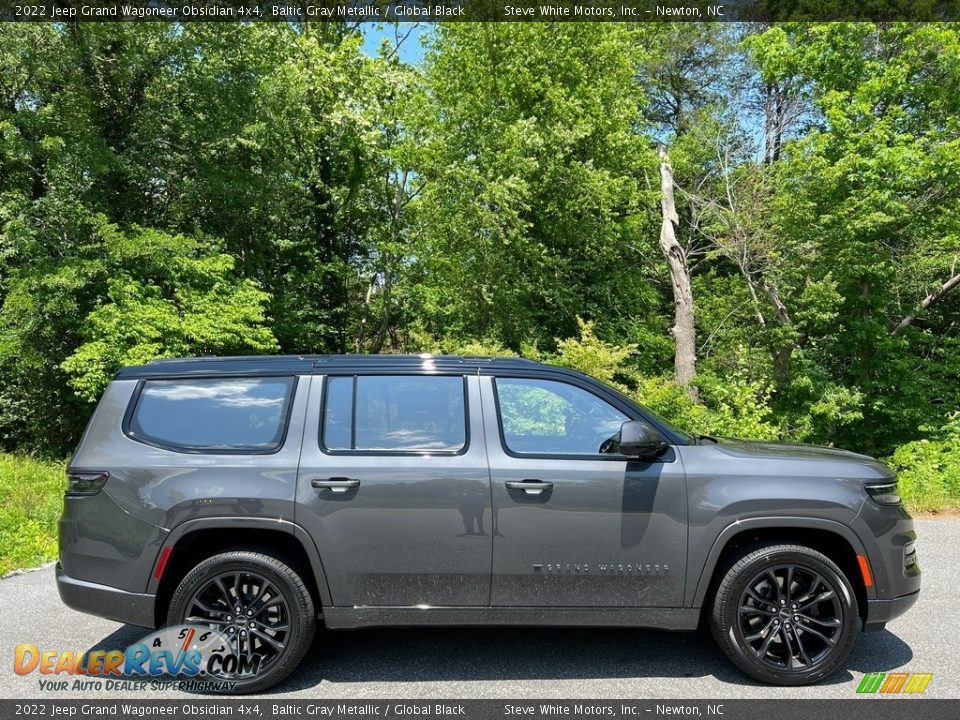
{"points": [[574, 525], [393, 487]]}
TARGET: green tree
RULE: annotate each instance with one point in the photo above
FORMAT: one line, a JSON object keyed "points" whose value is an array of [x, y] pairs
{"points": [[533, 199]]}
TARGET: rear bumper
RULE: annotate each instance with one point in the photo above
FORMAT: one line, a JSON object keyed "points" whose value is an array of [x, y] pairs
{"points": [[880, 612], [105, 601]]}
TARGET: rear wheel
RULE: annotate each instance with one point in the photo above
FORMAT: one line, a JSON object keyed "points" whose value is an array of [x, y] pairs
{"points": [[785, 615], [259, 604]]}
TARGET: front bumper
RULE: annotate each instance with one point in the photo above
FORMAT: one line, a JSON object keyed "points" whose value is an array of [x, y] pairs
{"points": [[105, 601], [880, 612]]}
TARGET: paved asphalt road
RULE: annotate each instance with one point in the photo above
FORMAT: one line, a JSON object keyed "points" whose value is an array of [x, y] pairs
{"points": [[529, 663]]}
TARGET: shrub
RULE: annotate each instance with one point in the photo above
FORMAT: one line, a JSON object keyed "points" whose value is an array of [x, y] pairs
{"points": [[930, 469]]}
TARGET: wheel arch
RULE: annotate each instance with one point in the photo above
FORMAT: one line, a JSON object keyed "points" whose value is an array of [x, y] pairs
{"points": [[195, 540], [833, 539]]}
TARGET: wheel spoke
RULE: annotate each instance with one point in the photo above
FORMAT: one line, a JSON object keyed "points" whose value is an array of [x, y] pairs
{"points": [[270, 603], [829, 641], [748, 610], [818, 599], [788, 583], [776, 583], [803, 652], [276, 643], [263, 588], [195, 620], [788, 647], [812, 591], [762, 650], [758, 635], [826, 622], [757, 598], [225, 593], [277, 628], [206, 608]]}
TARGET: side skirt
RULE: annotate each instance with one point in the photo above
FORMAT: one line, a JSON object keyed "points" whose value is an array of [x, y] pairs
{"points": [[659, 618]]}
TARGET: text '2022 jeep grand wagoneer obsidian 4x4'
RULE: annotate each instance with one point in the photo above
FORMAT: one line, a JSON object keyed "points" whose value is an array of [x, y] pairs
{"points": [[259, 496]]}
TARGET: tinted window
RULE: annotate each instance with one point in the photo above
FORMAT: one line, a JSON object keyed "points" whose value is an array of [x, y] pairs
{"points": [[222, 414], [548, 417], [401, 412], [338, 413]]}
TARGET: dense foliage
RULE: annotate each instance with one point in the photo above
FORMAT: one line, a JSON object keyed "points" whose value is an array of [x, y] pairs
{"points": [[175, 190]]}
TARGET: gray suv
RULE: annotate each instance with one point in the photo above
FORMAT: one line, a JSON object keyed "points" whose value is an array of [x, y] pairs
{"points": [[261, 495]]}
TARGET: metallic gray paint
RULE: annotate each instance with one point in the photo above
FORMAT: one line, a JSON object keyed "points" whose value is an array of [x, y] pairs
{"points": [[430, 539], [612, 512], [415, 532]]}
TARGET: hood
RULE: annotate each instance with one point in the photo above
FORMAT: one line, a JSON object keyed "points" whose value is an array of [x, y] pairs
{"points": [[788, 451]]}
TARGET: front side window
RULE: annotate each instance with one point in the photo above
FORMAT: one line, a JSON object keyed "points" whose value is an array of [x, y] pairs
{"points": [[229, 414], [546, 417], [385, 413]]}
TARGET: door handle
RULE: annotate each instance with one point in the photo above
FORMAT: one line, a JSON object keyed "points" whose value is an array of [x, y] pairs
{"points": [[530, 487], [335, 484]]}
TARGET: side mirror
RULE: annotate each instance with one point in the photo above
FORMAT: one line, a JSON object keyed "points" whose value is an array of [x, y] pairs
{"points": [[640, 440]]}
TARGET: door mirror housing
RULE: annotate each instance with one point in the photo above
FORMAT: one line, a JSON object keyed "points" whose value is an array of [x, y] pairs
{"points": [[639, 439]]}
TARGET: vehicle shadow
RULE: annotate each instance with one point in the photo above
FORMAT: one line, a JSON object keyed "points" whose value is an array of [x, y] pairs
{"points": [[484, 654], [396, 655]]}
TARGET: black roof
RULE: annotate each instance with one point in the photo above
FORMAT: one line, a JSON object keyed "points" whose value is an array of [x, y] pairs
{"points": [[306, 364]]}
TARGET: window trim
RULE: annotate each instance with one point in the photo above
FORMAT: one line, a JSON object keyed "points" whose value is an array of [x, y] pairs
{"points": [[561, 456], [131, 411], [389, 453]]}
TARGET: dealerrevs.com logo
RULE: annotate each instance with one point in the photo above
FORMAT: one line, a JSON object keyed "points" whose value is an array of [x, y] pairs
{"points": [[897, 683], [192, 658]]}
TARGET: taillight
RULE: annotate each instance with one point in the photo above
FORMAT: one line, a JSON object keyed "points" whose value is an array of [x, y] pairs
{"points": [[884, 493], [80, 484]]}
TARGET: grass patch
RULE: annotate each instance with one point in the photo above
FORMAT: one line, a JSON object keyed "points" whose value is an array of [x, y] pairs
{"points": [[31, 500]]}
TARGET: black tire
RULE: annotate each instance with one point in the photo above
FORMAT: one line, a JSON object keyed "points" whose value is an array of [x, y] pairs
{"points": [[764, 621], [286, 592]]}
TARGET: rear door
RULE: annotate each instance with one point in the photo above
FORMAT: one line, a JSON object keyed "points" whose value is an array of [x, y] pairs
{"points": [[576, 525], [394, 488]]}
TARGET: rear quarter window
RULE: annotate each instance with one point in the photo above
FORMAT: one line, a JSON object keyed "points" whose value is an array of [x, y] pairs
{"points": [[222, 414]]}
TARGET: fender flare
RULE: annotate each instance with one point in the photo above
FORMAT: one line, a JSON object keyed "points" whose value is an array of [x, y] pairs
{"points": [[250, 523], [768, 523]]}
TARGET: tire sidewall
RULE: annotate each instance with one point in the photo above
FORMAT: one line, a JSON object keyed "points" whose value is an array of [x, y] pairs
{"points": [[300, 619], [729, 618]]}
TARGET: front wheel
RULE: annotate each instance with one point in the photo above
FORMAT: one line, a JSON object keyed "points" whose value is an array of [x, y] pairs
{"points": [[785, 615], [259, 604]]}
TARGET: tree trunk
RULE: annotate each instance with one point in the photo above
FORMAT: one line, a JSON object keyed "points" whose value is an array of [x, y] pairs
{"points": [[684, 333]]}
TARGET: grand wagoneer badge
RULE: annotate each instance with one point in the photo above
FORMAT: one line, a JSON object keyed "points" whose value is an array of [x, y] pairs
{"points": [[601, 569]]}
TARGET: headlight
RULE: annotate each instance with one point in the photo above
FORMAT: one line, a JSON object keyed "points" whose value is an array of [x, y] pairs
{"points": [[884, 493]]}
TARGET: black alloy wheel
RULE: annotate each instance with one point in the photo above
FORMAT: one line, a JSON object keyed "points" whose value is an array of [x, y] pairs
{"points": [[785, 614], [248, 609], [260, 604], [790, 616]]}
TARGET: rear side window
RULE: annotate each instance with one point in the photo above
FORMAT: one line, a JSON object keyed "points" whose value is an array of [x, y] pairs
{"points": [[391, 413], [223, 414]]}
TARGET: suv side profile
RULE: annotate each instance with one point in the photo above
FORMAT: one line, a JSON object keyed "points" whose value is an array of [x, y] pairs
{"points": [[259, 496]]}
